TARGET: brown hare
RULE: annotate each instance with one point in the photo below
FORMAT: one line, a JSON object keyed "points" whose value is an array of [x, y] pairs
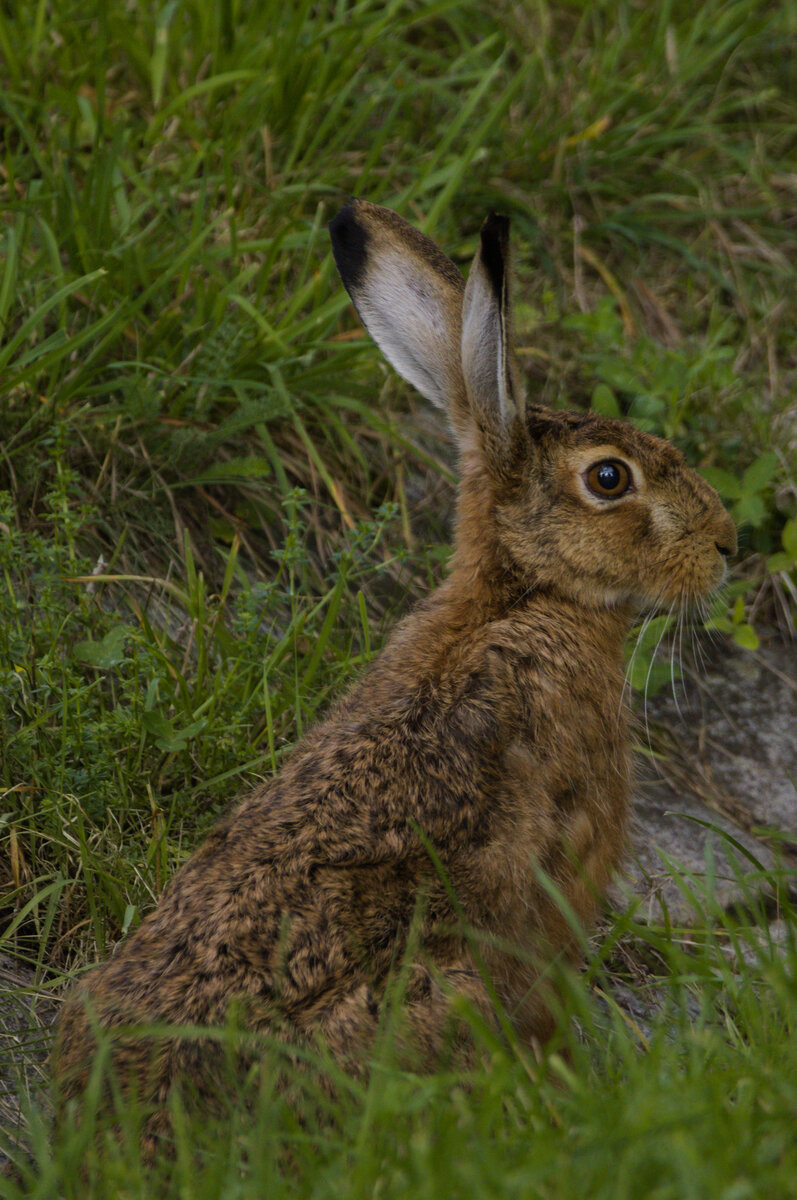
{"points": [[490, 734]]}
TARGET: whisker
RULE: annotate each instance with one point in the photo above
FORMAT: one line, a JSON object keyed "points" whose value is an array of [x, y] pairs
{"points": [[697, 650], [628, 671], [678, 627], [713, 635], [627, 678], [647, 682], [691, 626]]}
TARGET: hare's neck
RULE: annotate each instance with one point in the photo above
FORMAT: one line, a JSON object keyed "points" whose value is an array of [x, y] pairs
{"points": [[469, 599], [481, 576], [479, 593]]}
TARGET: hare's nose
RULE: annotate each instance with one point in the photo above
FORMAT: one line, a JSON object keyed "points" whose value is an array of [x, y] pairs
{"points": [[725, 536]]}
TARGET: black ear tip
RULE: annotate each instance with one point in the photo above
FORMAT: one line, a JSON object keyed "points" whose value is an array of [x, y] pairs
{"points": [[495, 246], [349, 244], [496, 225], [343, 218]]}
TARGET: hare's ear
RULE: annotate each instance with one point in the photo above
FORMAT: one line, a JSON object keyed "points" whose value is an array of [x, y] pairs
{"points": [[492, 377], [408, 295]]}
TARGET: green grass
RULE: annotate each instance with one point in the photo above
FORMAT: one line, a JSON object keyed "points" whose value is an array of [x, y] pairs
{"points": [[192, 417], [696, 1101]]}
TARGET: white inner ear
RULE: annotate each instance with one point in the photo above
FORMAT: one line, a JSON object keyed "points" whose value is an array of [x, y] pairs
{"points": [[412, 325], [484, 353]]}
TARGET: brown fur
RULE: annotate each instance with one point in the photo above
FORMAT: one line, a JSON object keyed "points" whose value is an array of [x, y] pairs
{"points": [[492, 721]]}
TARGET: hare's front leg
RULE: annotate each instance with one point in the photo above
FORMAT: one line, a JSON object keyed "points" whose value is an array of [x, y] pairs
{"points": [[431, 1025]]}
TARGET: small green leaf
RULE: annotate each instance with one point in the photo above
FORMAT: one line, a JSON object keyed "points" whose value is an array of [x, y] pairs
{"points": [[789, 538], [251, 467], [745, 636], [108, 652], [129, 917], [155, 723], [738, 610], [749, 510], [166, 736], [652, 632], [647, 407], [617, 375], [726, 484], [648, 677], [760, 472], [604, 401], [779, 562]]}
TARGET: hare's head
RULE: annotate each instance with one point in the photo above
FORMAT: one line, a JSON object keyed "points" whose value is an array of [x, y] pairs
{"points": [[584, 506]]}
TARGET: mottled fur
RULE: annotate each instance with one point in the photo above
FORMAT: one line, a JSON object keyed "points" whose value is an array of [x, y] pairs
{"points": [[493, 721]]}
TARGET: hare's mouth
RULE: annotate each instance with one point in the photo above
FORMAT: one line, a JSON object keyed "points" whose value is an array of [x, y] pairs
{"points": [[691, 572]]}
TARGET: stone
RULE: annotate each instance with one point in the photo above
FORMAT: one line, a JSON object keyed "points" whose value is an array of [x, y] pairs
{"points": [[725, 755]]}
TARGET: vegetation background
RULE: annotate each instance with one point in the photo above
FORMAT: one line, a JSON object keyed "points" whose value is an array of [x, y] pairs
{"points": [[215, 499]]}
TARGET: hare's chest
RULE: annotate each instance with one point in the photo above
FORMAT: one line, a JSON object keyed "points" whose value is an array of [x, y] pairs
{"points": [[562, 816], [554, 854], [544, 793]]}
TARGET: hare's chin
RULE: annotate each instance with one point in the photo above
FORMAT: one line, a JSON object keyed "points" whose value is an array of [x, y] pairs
{"points": [[688, 596], [616, 598]]}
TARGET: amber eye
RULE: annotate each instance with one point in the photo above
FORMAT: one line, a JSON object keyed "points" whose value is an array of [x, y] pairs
{"points": [[610, 478]]}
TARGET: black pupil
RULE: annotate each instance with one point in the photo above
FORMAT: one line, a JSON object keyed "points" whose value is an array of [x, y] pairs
{"points": [[608, 477]]}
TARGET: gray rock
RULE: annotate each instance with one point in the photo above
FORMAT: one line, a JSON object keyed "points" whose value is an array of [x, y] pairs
{"points": [[672, 855], [726, 755], [740, 727]]}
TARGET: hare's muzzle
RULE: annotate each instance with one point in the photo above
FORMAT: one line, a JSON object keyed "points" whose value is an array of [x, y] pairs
{"points": [[725, 541]]}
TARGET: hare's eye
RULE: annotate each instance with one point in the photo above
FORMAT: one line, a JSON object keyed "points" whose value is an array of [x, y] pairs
{"points": [[610, 478]]}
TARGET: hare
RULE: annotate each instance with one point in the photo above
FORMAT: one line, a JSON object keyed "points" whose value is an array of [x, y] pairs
{"points": [[485, 746]]}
